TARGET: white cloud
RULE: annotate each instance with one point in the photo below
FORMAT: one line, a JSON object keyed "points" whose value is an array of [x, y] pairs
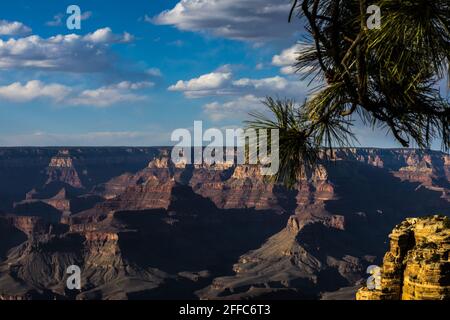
{"points": [[154, 72], [274, 83], [287, 59], [102, 97], [32, 90], [249, 20], [238, 96], [106, 36], [127, 85], [235, 109], [15, 28], [203, 85], [73, 53], [221, 83], [110, 95]]}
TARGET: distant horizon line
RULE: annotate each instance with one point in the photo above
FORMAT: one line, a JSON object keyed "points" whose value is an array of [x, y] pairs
{"points": [[167, 146]]}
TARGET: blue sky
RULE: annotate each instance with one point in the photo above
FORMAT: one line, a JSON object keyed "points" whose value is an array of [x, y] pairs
{"points": [[139, 69]]}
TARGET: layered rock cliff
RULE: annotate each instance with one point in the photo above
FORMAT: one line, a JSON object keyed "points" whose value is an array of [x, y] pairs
{"points": [[342, 215], [23, 169], [142, 227], [417, 266], [62, 169]]}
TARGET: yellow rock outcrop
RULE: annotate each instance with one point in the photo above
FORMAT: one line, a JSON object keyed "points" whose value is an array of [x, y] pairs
{"points": [[417, 266]]}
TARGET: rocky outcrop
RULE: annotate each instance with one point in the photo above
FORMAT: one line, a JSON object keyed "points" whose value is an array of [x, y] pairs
{"points": [[61, 201], [417, 266], [61, 168], [28, 225], [239, 187], [62, 160], [149, 189], [58, 196]]}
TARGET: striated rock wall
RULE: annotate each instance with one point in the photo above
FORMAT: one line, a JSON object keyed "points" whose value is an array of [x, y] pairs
{"points": [[417, 266], [25, 168], [61, 161], [153, 194], [184, 219], [61, 169]]}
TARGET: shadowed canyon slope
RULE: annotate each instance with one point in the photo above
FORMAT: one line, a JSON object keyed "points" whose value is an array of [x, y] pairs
{"points": [[141, 228]]}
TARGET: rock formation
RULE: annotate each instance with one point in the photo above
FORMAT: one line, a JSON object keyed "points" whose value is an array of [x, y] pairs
{"points": [[62, 169], [417, 266], [141, 227]]}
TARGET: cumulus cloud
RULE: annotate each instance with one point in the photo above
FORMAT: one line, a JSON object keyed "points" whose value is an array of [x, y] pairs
{"points": [[72, 53], [18, 92], [235, 109], [249, 20], [287, 59], [106, 36], [15, 28], [102, 97], [221, 83], [236, 97], [107, 96], [273, 83], [204, 85]]}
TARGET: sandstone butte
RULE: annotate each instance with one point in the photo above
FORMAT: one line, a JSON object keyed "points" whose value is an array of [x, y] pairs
{"points": [[417, 266]]}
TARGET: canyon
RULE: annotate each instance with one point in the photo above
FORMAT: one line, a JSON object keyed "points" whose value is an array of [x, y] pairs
{"points": [[141, 227]]}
